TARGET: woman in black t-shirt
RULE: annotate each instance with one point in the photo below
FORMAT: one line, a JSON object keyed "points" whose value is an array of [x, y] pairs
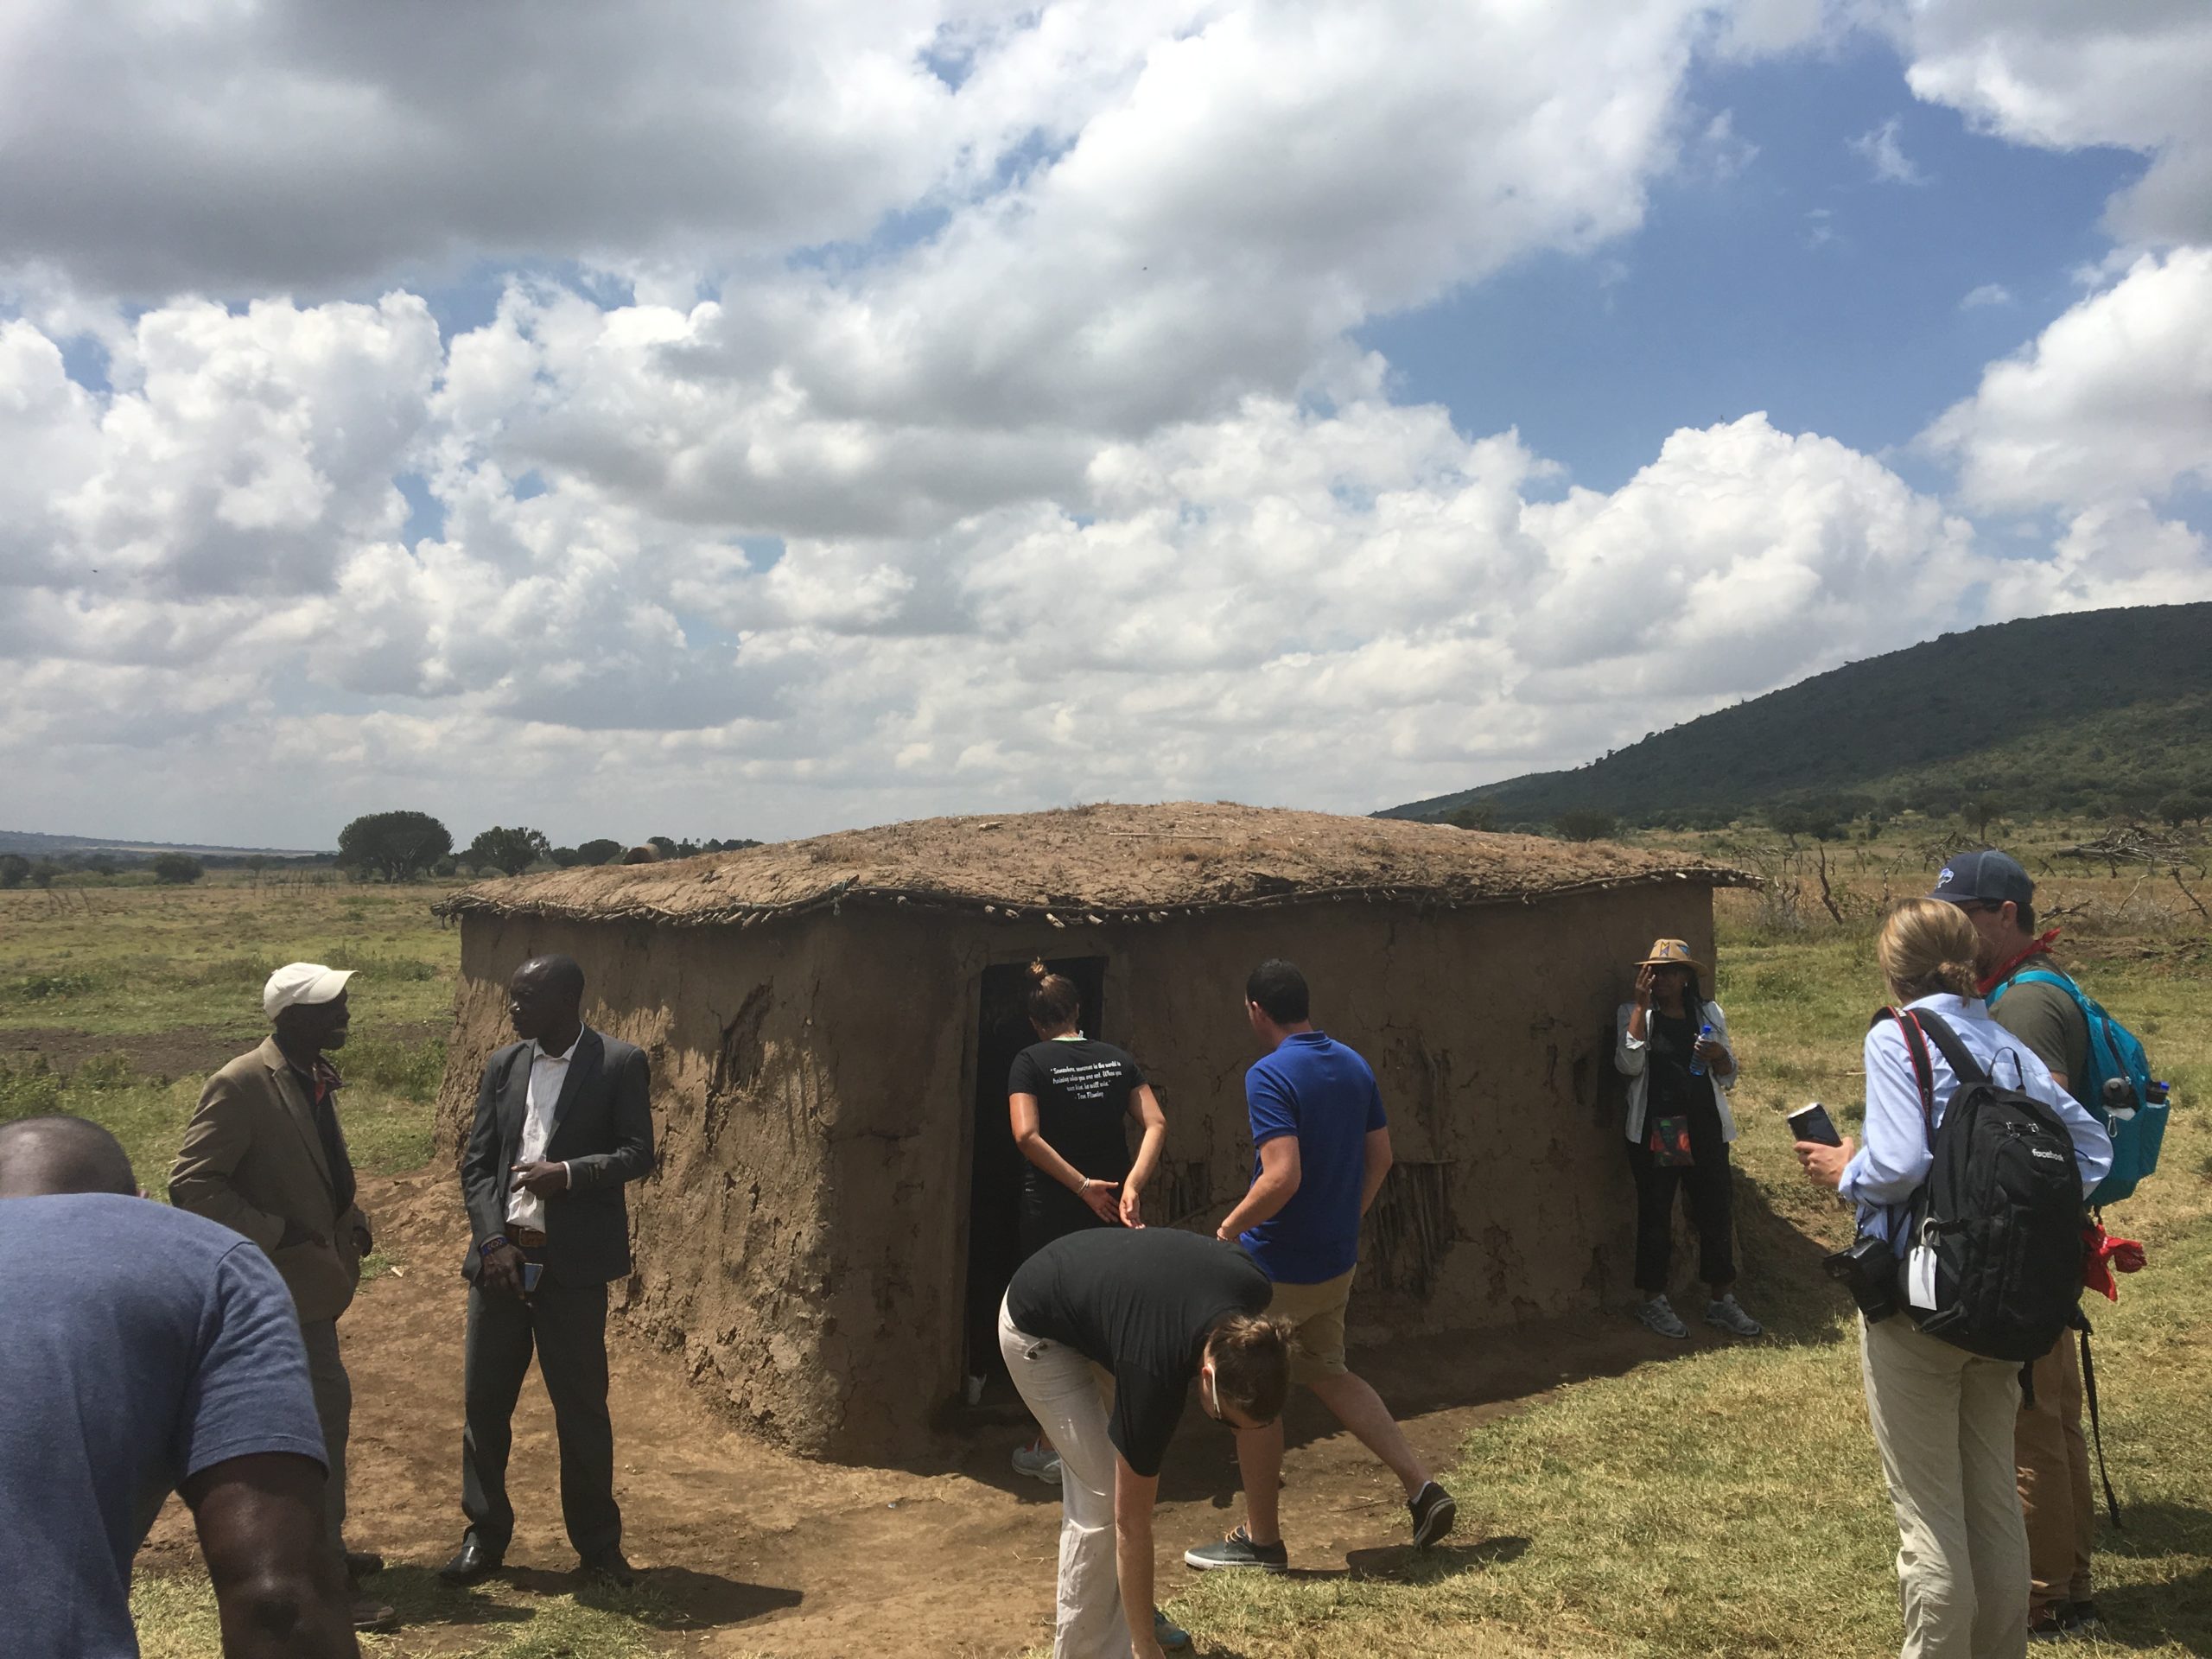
{"points": [[1071, 1099], [1153, 1308]]}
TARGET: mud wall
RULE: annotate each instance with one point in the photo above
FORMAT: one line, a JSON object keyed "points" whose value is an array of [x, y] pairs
{"points": [[778, 1273], [801, 1240]]}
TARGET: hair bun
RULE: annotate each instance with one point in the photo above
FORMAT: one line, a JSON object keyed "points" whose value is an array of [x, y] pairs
{"points": [[1037, 970]]}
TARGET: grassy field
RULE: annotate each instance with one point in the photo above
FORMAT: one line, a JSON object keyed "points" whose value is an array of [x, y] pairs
{"points": [[1727, 1501]]}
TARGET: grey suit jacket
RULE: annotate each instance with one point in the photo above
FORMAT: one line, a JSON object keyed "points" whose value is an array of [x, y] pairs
{"points": [[252, 1160], [602, 1130]]}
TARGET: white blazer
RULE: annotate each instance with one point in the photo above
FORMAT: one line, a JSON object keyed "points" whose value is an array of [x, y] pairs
{"points": [[1630, 1055]]}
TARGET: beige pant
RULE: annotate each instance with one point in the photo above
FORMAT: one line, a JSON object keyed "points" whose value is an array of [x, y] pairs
{"points": [[1058, 1386], [2053, 1473], [1943, 1423]]}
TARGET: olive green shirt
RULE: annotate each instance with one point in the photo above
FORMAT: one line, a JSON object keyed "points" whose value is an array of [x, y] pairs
{"points": [[2049, 1022]]}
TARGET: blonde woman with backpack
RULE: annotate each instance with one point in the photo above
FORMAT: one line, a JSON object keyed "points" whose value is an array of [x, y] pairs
{"points": [[1941, 1416]]}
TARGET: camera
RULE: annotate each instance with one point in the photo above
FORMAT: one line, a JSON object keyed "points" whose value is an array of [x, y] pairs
{"points": [[1869, 1271]]}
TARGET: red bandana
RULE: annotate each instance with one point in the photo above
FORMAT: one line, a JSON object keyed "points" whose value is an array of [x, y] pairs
{"points": [[2036, 948]]}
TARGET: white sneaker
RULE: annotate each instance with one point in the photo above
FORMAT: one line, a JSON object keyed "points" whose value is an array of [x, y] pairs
{"points": [[1725, 1312], [1039, 1463], [1656, 1313]]}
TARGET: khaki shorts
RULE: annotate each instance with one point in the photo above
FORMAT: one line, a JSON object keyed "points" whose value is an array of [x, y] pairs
{"points": [[1318, 1310]]}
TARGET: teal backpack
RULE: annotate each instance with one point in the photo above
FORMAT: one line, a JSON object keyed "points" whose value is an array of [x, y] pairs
{"points": [[2118, 1092]]}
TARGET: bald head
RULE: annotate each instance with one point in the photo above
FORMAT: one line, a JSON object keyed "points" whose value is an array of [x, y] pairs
{"points": [[545, 1001], [41, 1156], [559, 976]]}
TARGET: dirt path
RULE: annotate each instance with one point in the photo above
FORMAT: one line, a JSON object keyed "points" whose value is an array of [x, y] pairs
{"points": [[762, 1552]]}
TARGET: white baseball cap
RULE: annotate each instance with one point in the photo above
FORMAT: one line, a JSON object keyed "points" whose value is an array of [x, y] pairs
{"points": [[302, 981]]}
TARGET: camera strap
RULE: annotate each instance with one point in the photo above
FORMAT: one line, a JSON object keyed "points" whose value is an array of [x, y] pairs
{"points": [[1923, 1069]]}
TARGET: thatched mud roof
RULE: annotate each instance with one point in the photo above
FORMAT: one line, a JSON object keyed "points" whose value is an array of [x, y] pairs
{"points": [[1093, 864]]}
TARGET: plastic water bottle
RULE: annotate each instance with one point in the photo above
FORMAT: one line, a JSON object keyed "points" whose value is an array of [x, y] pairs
{"points": [[1697, 1066]]}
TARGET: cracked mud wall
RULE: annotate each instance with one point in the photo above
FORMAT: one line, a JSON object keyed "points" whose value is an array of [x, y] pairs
{"points": [[801, 1240]]}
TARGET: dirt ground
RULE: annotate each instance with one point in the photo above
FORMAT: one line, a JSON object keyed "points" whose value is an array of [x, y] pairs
{"points": [[758, 1551]]}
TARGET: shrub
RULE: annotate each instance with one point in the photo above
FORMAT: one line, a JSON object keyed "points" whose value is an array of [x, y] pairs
{"points": [[177, 869], [1584, 824], [15, 869]]}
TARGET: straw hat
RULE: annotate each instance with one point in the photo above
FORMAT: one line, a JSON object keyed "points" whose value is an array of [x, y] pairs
{"points": [[1671, 953]]}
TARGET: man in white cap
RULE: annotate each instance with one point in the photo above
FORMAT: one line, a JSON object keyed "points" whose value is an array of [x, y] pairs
{"points": [[263, 1155]]}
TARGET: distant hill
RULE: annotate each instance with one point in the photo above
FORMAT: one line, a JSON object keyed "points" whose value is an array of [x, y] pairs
{"points": [[31, 844], [2094, 712]]}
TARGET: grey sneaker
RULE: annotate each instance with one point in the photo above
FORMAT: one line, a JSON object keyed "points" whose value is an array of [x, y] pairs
{"points": [[1725, 1313], [1172, 1637], [1039, 1463], [1657, 1314], [1238, 1550]]}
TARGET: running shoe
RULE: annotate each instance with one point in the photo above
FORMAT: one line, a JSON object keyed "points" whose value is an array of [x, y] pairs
{"points": [[1039, 1463], [1656, 1313], [1724, 1312], [1238, 1550], [1434, 1509], [1173, 1638]]}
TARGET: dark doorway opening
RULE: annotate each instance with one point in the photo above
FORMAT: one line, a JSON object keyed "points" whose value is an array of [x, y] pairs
{"points": [[995, 1175]]}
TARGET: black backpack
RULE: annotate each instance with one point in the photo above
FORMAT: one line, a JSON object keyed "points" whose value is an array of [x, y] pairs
{"points": [[2002, 1209]]}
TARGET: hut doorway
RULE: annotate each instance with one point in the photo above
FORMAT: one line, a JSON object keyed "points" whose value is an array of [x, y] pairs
{"points": [[995, 1163]]}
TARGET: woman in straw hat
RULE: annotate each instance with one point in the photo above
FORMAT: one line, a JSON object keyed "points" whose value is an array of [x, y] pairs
{"points": [[1672, 1046]]}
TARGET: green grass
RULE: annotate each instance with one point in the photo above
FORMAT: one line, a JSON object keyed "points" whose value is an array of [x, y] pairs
{"points": [[128, 960], [176, 1619]]}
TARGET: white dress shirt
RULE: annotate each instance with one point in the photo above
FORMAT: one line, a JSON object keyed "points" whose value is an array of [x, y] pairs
{"points": [[1895, 1157], [548, 1071]]}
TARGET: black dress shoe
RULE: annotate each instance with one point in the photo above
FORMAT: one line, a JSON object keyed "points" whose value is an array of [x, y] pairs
{"points": [[471, 1562], [610, 1568], [359, 1563]]}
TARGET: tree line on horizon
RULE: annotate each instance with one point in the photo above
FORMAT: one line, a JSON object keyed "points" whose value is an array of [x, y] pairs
{"points": [[405, 846]]}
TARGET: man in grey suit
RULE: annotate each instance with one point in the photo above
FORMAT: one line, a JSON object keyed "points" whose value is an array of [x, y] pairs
{"points": [[562, 1123]]}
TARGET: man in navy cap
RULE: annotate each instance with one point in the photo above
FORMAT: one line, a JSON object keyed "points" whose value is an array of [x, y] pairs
{"points": [[2053, 1459]]}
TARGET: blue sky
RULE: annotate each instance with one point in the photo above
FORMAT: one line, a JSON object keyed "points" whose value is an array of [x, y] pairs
{"points": [[753, 429], [1803, 284]]}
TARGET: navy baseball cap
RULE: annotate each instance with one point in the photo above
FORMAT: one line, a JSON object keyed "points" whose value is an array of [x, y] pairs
{"points": [[1985, 878]]}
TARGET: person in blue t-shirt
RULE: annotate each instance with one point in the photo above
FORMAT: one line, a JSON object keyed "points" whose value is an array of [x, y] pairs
{"points": [[1321, 1147], [149, 1350]]}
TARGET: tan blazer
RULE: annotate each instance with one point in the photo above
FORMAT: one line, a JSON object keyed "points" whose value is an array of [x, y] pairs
{"points": [[252, 1160]]}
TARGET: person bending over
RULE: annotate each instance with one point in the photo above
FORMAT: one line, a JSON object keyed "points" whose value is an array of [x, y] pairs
{"points": [[149, 1350], [1156, 1308], [1069, 1098], [1679, 1127]]}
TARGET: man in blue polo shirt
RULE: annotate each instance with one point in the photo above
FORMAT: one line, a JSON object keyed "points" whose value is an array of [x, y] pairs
{"points": [[1321, 1147]]}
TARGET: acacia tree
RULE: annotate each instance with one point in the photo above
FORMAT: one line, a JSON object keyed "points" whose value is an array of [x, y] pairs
{"points": [[510, 850], [398, 846]]}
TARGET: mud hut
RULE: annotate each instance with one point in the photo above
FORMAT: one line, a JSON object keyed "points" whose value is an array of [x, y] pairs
{"points": [[830, 1022]]}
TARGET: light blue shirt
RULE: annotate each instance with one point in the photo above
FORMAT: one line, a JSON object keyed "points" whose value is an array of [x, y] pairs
{"points": [[1895, 1158]]}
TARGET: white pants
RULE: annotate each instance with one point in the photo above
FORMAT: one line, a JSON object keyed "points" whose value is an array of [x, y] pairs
{"points": [[1943, 1424], [1061, 1390]]}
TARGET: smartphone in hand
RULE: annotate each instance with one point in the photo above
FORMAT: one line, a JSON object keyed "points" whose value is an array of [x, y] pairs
{"points": [[1812, 1122], [530, 1273]]}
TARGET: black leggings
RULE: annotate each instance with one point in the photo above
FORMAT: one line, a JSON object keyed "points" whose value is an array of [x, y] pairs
{"points": [[1706, 1185]]}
